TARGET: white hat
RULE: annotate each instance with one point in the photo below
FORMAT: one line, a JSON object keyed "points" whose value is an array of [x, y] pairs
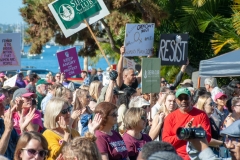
{"points": [[138, 102]]}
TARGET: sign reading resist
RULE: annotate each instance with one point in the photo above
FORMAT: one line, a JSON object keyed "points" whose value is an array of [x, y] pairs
{"points": [[173, 49], [139, 39]]}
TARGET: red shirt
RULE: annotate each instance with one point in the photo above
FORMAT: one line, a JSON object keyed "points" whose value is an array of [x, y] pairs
{"points": [[178, 119]]}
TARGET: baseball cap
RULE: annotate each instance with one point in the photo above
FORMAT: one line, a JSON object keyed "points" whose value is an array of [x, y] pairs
{"points": [[189, 81], [2, 74], [23, 92], [182, 91], [219, 95], [165, 155], [41, 81], [233, 130], [138, 102]]}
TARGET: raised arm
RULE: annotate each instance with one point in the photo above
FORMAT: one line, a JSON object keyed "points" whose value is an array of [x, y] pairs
{"points": [[120, 67]]}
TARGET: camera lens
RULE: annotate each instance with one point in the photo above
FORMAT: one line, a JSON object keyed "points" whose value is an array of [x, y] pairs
{"points": [[182, 133]]}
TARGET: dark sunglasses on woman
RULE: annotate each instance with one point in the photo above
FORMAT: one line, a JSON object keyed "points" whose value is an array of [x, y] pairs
{"points": [[65, 111], [33, 152]]}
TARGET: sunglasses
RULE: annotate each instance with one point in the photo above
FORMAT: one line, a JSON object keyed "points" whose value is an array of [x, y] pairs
{"points": [[234, 140], [65, 111], [163, 81], [114, 114], [145, 107], [186, 98], [33, 152], [144, 118]]}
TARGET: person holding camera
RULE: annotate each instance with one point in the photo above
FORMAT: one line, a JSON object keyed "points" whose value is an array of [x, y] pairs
{"points": [[185, 116]]}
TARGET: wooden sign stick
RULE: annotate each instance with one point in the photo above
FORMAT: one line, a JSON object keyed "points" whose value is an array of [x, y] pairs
{"points": [[94, 37]]}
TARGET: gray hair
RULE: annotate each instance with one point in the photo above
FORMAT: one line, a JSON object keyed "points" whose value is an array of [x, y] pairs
{"points": [[211, 81]]}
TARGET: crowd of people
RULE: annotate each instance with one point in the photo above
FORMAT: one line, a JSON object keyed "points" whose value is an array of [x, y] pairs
{"points": [[51, 119]]}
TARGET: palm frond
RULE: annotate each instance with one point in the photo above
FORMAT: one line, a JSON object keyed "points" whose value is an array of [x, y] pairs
{"points": [[198, 3]]}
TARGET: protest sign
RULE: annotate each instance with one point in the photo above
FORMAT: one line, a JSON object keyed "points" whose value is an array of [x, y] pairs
{"points": [[139, 39], [68, 62], [151, 75], [70, 14], [128, 63], [106, 78], [11, 82], [10, 49], [173, 49]]}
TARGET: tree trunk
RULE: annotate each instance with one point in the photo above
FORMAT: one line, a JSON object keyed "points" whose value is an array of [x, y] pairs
{"points": [[85, 63]]}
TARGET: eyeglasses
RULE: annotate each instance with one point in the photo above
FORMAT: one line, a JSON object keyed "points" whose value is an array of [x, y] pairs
{"points": [[145, 107], [234, 140], [33, 152], [163, 81], [144, 118], [181, 98], [114, 114], [65, 111]]}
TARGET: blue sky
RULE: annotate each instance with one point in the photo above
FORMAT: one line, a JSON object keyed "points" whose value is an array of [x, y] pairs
{"points": [[9, 13]]}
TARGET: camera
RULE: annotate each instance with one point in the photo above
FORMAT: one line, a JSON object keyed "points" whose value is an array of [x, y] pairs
{"points": [[190, 133]]}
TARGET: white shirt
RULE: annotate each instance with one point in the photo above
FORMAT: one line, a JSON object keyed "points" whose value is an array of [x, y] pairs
{"points": [[155, 109]]}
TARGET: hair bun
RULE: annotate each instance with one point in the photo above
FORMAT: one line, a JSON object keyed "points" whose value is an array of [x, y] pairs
{"points": [[90, 137]]}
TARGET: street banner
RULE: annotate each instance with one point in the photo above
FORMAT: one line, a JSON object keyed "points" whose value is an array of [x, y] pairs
{"points": [[151, 75], [70, 14], [68, 62], [173, 49], [139, 39], [10, 51], [11, 82], [128, 63]]}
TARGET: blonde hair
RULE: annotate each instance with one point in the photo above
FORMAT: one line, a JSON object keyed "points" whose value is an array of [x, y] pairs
{"points": [[132, 117], [93, 89], [62, 92], [53, 109], [163, 106], [202, 101], [86, 87], [82, 148]]}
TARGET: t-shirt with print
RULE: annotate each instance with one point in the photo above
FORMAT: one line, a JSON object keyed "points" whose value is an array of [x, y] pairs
{"points": [[112, 145], [36, 120], [134, 146]]}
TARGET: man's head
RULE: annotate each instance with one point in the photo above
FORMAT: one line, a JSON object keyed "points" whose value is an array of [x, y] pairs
{"points": [[99, 71], [33, 77], [153, 147], [42, 87], [20, 75], [94, 71], [187, 83], [129, 76], [232, 140], [210, 83], [84, 74], [184, 99]]}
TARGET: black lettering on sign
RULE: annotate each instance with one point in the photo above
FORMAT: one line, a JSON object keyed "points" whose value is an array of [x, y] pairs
{"points": [[171, 52]]}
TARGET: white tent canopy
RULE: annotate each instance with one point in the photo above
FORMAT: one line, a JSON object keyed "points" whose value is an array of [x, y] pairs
{"points": [[226, 65]]}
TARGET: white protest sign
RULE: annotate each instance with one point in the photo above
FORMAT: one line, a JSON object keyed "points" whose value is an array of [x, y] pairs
{"points": [[139, 39], [81, 25], [11, 82], [10, 49], [106, 78], [128, 63]]}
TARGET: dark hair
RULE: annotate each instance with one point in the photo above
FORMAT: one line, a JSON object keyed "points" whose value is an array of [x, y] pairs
{"points": [[33, 76], [104, 109], [125, 97], [199, 92], [156, 146], [164, 89]]}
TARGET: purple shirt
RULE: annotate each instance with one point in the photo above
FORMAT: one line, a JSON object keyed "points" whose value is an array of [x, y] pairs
{"points": [[20, 83], [113, 145], [134, 146]]}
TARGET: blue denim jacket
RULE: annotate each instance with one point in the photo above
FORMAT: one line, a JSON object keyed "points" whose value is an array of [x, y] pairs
{"points": [[12, 141], [84, 121]]}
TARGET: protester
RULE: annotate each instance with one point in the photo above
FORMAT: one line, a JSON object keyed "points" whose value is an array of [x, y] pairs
{"points": [[109, 142], [82, 148], [67, 84], [50, 78], [64, 93], [168, 105], [57, 78], [20, 82], [33, 78], [86, 80], [2, 79], [100, 75], [31, 145], [135, 121], [185, 116], [235, 115], [211, 86], [42, 91], [187, 83], [94, 91], [93, 76]]}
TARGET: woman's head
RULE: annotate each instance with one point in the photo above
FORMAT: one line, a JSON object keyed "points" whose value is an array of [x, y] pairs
{"points": [[82, 148], [82, 99], [108, 112], [135, 118], [55, 108], [64, 93], [31, 145], [205, 103], [236, 105], [221, 99], [95, 89], [169, 103]]}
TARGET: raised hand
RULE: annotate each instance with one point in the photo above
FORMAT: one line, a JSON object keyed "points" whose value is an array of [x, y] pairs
{"points": [[94, 124], [161, 118], [19, 102], [62, 124], [122, 50], [76, 114], [8, 121], [26, 119], [60, 157], [189, 124]]}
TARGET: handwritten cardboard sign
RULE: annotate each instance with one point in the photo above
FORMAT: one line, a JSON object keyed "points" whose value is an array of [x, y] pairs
{"points": [[66, 10], [139, 39], [173, 49], [10, 49], [151, 75], [128, 63], [11, 82], [68, 62]]}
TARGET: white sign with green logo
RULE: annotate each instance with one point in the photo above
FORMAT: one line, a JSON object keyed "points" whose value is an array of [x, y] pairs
{"points": [[70, 14], [151, 75]]}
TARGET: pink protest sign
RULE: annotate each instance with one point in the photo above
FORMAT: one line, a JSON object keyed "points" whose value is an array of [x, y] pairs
{"points": [[68, 62]]}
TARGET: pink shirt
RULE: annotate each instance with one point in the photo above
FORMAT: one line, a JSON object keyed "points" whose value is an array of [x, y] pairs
{"points": [[36, 120]]}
